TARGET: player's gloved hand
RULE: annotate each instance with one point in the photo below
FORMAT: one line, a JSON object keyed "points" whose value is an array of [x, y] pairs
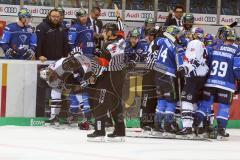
{"points": [[11, 53], [29, 54], [181, 72], [131, 64], [76, 50], [98, 52]]}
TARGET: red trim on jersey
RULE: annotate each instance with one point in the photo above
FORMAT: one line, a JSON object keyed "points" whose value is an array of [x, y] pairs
{"points": [[103, 62]]}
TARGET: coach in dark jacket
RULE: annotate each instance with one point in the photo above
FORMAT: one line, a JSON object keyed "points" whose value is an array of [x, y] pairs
{"points": [[52, 38], [175, 17]]}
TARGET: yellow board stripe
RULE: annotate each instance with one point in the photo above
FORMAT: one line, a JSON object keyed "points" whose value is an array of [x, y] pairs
{"points": [[4, 74]]}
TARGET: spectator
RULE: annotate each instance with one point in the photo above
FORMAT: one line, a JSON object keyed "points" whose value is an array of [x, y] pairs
{"points": [[94, 21], [175, 17], [19, 40], [52, 38]]}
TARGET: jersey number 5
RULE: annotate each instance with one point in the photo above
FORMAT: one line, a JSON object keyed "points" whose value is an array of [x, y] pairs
{"points": [[219, 69]]}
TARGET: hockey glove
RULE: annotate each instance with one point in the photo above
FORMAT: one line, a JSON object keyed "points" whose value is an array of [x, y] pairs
{"points": [[11, 53], [76, 50], [29, 54]]}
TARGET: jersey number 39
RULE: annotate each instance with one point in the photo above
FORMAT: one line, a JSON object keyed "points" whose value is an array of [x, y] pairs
{"points": [[219, 68]]}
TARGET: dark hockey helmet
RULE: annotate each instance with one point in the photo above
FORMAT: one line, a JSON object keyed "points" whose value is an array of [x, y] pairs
{"points": [[135, 33], [24, 13], [220, 32], [152, 32], [81, 13], [111, 27], [230, 34], [188, 18]]}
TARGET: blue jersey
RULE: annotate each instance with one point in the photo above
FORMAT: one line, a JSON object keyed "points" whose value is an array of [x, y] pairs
{"points": [[137, 53], [20, 39], [81, 36], [221, 64], [142, 32], [166, 57]]}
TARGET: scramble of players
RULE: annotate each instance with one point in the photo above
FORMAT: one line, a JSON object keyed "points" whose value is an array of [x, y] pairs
{"points": [[187, 71]]}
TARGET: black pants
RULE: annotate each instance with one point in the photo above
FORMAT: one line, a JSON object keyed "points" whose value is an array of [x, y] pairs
{"points": [[149, 100], [106, 95]]}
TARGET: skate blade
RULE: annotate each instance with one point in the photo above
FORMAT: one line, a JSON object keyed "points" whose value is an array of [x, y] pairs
{"points": [[221, 138], [155, 133], [96, 139], [169, 135], [57, 124], [188, 136], [116, 139]]}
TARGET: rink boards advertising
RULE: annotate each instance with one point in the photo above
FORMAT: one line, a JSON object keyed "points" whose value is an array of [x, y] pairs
{"points": [[108, 14], [27, 98]]}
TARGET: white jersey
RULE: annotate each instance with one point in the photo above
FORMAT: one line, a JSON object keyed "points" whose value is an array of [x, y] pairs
{"points": [[195, 59]]}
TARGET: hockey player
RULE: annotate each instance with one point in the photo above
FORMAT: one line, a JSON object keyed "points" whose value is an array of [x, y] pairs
{"points": [[81, 38], [149, 23], [110, 87], [80, 34], [220, 84], [188, 21], [197, 33], [194, 70], [164, 62], [136, 48], [19, 40]]}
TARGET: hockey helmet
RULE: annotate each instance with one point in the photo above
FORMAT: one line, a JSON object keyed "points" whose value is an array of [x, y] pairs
{"points": [[61, 10], [197, 32], [135, 33], [208, 39], [230, 34], [188, 18], [220, 32], [173, 30], [81, 13], [24, 13], [111, 27], [150, 20]]}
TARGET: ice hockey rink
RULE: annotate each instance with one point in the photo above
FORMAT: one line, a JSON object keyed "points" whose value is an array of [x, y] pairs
{"points": [[41, 143]]}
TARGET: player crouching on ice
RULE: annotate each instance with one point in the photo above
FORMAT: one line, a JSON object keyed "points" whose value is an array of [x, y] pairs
{"points": [[224, 62], [59, 75]]}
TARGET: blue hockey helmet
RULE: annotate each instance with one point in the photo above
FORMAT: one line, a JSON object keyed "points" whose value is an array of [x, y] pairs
{"points": [[24, 13]]}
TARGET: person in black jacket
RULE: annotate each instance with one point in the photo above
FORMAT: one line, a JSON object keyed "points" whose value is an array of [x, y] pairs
{"points": [[175, 17], [52, 38]]}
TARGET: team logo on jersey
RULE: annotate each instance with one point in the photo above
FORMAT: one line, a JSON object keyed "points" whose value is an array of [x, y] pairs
{"points": [[23, 38], [89, 36], [192, 49], [30, 30]]}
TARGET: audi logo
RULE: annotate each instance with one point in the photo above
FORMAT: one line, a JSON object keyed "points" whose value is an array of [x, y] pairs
{"points": [[210, 19], [10, 10], [44, 11], [146, 15], [111, 14]]}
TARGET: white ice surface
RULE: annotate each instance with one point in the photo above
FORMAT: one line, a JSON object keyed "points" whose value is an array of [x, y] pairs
{"points": [[39, 143]]}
